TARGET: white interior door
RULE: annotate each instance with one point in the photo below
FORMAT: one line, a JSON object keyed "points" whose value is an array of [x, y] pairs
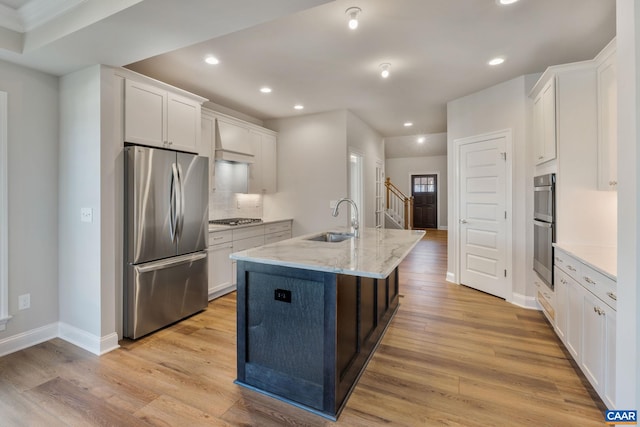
{"points": [[482, 216]]}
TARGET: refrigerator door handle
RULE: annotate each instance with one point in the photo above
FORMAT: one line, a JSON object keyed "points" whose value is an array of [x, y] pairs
{"points": [[180, 217], [171, 262], [174, 208]]}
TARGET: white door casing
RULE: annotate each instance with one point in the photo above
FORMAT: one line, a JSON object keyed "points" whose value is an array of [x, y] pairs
{"points": [[484, 213]]}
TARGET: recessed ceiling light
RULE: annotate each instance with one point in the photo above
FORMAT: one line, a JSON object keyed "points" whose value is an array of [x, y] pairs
{"points": [[504, 2], [408, 124], [385, 70], [299, 107], [496, 61], [265, 89], [212, 60], [421, 139], [353, 13]]}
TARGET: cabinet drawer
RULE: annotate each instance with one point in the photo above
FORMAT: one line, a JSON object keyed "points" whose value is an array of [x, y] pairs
{"points": [[602, 286], [276, 237], [277, 227], [244, 244], [568, 264], [546, 299], [218, 237], [245, 233]]}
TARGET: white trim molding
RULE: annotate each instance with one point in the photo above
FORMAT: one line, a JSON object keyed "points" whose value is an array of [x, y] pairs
{"points": [[28, 339], [4, 212], [83, 339], [525, 301]]}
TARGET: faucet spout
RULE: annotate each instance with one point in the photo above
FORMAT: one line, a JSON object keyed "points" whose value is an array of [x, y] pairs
{"points": [[355, 225]]}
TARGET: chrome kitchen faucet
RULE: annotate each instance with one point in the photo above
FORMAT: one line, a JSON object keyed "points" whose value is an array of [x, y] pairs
{"points": [[355, 225]]}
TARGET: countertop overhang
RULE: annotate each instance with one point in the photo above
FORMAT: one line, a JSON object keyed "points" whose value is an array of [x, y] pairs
{"points": [[376, 253]]}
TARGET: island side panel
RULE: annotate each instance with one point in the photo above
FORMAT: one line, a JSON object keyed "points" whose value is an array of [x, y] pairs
{"points": [[281, 331]]}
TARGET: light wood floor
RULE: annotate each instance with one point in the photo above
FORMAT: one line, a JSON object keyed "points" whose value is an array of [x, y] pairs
{"points": [[452, 356]]}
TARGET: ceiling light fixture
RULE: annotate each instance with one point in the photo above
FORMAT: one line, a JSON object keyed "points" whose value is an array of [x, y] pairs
{"points": [[211, 60], [299, 107], [385, 70], [265, 89], [353, 13], [408, 124], [421, 140], [496, 61], [505, 2]]}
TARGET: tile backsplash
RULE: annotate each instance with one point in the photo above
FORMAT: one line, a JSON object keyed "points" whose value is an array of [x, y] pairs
{"points": [[226, 199]]}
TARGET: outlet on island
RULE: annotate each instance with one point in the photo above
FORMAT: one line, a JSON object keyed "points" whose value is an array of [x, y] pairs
{"points": [[283, 295]]}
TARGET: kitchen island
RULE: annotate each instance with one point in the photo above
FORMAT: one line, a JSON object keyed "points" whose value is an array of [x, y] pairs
{"points": [[310, 313]]}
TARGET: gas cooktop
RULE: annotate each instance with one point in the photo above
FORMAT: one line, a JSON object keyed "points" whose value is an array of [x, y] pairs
{"points": [[234, 221]]}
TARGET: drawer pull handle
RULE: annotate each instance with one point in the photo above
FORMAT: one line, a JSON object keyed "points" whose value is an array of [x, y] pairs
{"points": [[559, 260], [612, 296], [218, 238], [589, 280], [564, 282], [571, 268]]}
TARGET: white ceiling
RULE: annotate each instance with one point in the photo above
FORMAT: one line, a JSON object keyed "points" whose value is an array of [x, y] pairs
{"points": [[438, 49]]}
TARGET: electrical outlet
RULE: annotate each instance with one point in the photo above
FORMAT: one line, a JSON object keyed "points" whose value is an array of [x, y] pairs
{"points": [[86, 214], [24, 301]]}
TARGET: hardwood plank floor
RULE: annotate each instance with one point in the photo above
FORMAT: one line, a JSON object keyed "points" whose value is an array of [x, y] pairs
{"points": [[452, 356]]}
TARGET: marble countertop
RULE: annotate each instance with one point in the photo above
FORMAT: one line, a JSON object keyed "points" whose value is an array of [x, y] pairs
{"points": [[602, 259], [376, 253], [219, 227]]}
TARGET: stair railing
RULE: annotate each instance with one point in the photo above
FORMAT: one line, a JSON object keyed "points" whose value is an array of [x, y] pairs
{"points": [[399, 205]]}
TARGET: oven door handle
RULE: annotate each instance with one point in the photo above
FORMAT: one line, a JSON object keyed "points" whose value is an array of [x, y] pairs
{"points": [[544, 188], [542, 224]]}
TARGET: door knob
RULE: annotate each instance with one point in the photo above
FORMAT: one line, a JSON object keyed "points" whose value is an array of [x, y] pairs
{"points": [[463, 221]]}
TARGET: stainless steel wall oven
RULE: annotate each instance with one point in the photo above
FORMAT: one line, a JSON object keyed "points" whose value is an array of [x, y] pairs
{"points": [[544, 233]]}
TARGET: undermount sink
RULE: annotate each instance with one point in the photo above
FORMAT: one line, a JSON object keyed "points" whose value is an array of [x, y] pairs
{"points": [[330, 236]]}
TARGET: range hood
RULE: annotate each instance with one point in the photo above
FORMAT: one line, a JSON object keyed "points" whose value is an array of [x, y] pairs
{"points": [[233, 143]]}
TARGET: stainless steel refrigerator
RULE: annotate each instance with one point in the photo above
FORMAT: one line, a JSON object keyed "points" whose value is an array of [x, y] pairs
{"points": [[166, 228]]}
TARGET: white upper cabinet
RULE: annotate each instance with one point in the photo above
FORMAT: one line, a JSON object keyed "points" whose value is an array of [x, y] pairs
{"points": [[607, 119], [544, 122], [262, 173], [156, 117]]}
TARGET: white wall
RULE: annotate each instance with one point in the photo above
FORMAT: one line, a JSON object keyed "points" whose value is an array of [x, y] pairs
{"points": [[628, 320], [363, 139], [312, 171], [33, 197], [504, 106], [401, 169], [91, 177]]}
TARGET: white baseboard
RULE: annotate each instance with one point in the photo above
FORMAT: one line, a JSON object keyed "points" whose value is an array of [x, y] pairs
{"points": [[525, 301], [27, 339], [217, 293], [83, 339], [451, 278], [443, 227]]}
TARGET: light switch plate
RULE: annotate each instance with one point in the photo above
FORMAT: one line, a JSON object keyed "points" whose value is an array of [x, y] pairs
{"points": [[24, 301], [86, 214]]}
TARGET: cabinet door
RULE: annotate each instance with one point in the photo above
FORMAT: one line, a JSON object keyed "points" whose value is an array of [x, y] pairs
{"points": [[562, 304], [220, 269], [269, 163], [609, 382], [144, 114], [574, 318], [207, 147], [255, 168], [183, 123], [549, 118], [593, 339], [607, 125], [538, 129]]}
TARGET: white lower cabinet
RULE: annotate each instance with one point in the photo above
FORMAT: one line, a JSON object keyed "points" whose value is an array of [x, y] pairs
{"points": [[598, 358], [220, 271], [222, 243], [585, 323]]}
